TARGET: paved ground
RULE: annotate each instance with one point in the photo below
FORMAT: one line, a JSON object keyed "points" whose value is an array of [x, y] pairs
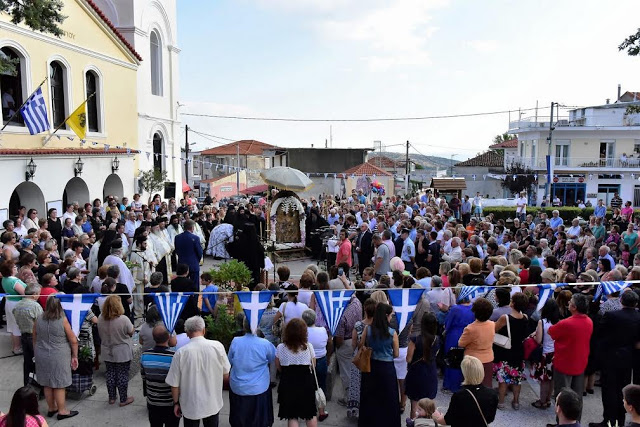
{"points": [[95, 410]]}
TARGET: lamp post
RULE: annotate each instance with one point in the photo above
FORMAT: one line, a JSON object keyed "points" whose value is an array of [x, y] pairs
{"points": [[115, 165], [31, 170], [77, 170]]}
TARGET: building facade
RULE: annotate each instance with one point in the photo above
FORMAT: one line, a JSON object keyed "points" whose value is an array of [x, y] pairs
{"points": [[91, 60], [594, 153]]}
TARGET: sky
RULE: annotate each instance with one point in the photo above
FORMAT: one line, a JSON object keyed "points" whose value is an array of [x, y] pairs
{"points": [[360, 59]]}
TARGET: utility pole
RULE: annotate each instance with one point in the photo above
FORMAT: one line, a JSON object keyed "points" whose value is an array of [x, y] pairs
{"points": [[238, 168], [547, 185], [186, 154], [451, 164], [407, 169]]}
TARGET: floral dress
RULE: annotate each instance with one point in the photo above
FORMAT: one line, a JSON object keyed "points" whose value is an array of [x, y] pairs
{"points": [[353, 400], [543, 370]]}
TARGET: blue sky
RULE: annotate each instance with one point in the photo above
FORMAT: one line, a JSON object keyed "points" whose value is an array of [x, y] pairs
{"points": [[405, 58]]}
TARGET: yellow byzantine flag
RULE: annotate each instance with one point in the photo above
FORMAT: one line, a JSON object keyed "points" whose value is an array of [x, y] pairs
{"points": [[78, 120]]}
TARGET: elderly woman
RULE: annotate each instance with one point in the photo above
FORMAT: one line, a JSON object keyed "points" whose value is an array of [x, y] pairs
{"points": [[296, 391], [145, 335], [56, 354], [250, 398], [477, 337], [474, 405], [27, 265], [319, 339], [12, 286], [9, 250], [379, 388], [116, 331]]}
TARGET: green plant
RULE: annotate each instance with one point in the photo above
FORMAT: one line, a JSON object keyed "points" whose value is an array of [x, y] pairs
{"points": [[230, 274], [222, 327], [84, 354], [153, 180]]}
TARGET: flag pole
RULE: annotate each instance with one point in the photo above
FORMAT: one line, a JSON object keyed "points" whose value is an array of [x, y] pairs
{"points": [[65, 120], [23, 104]]}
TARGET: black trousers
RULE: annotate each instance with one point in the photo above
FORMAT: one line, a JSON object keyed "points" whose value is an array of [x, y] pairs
{"points": [[614, 379], [27, 349], [466, 217], [211, 421], [162, 268], [162, 416]]}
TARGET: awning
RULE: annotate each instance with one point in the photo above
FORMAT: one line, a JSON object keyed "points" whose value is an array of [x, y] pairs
{"points": [[444, 184], [255, 190], [185, 187]]}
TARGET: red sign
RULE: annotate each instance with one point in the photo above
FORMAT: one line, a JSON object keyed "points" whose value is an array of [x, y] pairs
{"points": [[581, 179], [555, 179]]}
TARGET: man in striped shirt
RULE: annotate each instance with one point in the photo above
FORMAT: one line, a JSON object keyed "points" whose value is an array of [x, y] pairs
{"points": [[155, 365]]}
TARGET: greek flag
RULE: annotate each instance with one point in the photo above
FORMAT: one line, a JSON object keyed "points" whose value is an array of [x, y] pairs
{"points": [[254, 304], [471, 292], [546, 290], [332, 305], [76, 307], [609, 288], [404, 302], [34, 113], [170, 305]]}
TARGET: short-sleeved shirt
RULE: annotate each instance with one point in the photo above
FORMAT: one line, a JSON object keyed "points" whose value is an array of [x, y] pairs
{"points": [[250, 357], [291, 310], [352, 314], [408, 250], [198, 369], [155, 364], [385, 266], [211, 297], [318, 337], [116, 342], [9, 286], [25, 313], [288, 357], [30, 421]]}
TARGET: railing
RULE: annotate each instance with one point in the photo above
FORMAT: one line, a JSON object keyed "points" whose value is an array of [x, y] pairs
{"points": [[576, 162]]}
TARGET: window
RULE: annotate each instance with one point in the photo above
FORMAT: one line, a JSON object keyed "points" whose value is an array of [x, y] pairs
{"points": [[562, 153], [522, 149], [534, 145], [156, 64], [92, 103], [636, 147], [157, 151], [606, 191], [607, 153], [196, 163], [58, 101], [569, 193], [11, 87]]}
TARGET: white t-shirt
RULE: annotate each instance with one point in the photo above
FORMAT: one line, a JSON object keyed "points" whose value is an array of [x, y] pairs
{"points": [[304, 296], [291, 310], [521, 201], [318, 338]]}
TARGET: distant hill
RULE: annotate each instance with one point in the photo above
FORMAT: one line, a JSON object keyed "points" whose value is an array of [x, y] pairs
{"points": [[427, 162]]}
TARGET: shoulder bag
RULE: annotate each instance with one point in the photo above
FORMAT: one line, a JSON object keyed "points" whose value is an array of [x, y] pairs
{"points": [[501, 340], [533, 350], [479, 409], [278, 326], [362, 359], [321, 399]]}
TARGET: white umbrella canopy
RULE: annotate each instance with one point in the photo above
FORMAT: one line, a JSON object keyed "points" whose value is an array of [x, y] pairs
{"points": [[286, 178]]}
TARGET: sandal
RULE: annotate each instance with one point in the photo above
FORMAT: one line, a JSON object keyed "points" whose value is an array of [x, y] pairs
{"points": [[540, 405], [515, 406], [501, 406]]}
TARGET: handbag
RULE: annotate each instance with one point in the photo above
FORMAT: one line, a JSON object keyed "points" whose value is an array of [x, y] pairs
{"points": [[454, 357], [321, 399], [362, 359], [502, 341], [277, 327], [479, 409], [533, 350]]}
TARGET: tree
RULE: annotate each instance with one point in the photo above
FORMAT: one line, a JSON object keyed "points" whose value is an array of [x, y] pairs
{"points": [[632, 44], [519, 178], [153, 180], [39, 15], [502, 138]]}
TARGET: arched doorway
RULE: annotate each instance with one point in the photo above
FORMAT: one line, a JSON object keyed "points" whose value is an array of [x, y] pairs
{"points": [[113, 187], [29, 195], [76, 190]]}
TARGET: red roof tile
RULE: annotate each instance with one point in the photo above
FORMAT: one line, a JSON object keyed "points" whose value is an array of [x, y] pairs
{"points": [[114, 29], [366, 169], [248, 147], [490, 159], [62, 151], [512, 143], [385, 162]]}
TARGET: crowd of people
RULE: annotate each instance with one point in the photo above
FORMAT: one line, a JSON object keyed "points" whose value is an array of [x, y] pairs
{"points": [[494, 337]]}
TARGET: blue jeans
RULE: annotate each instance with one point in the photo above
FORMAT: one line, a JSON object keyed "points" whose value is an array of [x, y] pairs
{"points": [[321, 372]]}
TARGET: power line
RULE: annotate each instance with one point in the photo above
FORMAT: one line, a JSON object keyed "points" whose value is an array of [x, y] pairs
{"points": [[379, 119]]}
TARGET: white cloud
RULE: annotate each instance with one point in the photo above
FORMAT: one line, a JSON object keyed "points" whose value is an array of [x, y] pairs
{"points": [[390, 35], [483, 46]]}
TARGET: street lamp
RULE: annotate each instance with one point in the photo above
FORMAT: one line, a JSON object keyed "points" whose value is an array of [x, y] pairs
{"points": [[115, 164], [31, 170], [77, 170]]}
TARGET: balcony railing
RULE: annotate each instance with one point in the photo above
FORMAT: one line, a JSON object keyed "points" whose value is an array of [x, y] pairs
{"points": [[576, 162]]}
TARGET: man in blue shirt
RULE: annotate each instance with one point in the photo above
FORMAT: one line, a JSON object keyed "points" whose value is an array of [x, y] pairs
{"points": [[154, 366], [465, 209], [601, 210], [555, 220]]}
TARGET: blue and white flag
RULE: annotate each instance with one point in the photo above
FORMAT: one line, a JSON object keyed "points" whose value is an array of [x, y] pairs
{"points": [[34, 113], [2, 297], [170, 305], [471, 292], [76, 307], [404, 302], [254, 304], [332, 304], [610, 287], [546, 290]]}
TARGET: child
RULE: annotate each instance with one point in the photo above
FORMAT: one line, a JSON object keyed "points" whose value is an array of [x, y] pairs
{"points": [[367, 278], [208, 300], [426, 408], [625, 255]]}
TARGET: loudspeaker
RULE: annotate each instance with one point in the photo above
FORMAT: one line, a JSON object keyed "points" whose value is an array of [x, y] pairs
{"points": [[169, 190]]}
